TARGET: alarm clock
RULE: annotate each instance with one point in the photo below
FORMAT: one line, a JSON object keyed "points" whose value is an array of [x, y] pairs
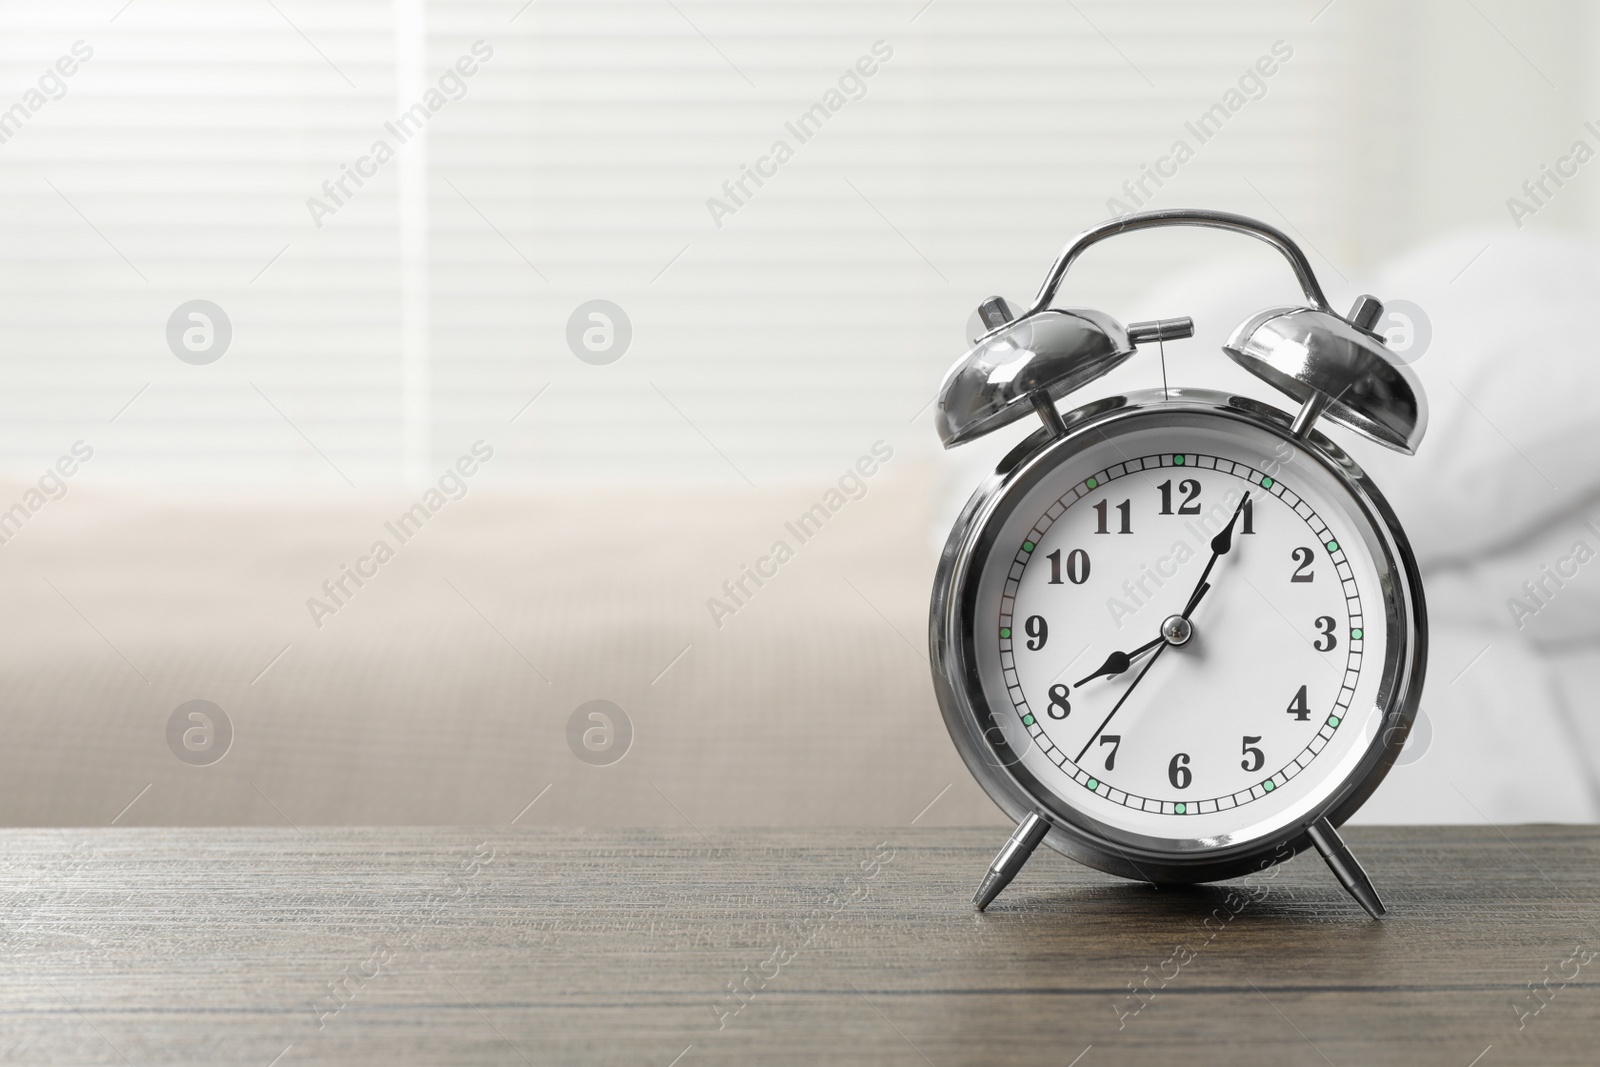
{"points": [[1179, 635]]}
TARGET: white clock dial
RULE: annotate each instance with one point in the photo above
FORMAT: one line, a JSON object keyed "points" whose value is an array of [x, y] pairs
{"points": [[1272, 698]]}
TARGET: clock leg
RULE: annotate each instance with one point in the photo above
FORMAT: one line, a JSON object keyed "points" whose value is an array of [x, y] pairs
{"points": [[1023, 841], [1345, 867]]}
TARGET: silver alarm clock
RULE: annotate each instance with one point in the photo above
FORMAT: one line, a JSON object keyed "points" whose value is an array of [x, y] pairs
{"points": [[1179, 635]]}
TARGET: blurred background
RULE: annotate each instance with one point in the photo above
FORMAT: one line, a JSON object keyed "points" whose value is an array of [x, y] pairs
{"points": [[277, 274]]}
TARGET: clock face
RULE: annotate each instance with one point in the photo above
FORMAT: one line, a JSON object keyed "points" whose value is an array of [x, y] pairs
{"points": [[1153, 685]]}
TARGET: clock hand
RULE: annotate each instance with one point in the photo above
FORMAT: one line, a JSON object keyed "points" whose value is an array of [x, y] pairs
{"points": [[1118, 662], [1122, 700], [1220, 546], [1165, 643]]}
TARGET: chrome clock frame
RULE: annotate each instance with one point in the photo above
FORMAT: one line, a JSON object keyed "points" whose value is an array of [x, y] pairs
{"points": [[971, 721]]}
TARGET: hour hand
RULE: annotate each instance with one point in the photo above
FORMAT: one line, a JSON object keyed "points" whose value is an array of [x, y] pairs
{"points": [[1118, 662]]}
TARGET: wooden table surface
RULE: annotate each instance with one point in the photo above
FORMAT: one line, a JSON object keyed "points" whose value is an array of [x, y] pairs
{"points": [[447, 946]]}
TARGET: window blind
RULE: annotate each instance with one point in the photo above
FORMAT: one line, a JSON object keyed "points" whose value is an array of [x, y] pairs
{"points": [[378, 327]]}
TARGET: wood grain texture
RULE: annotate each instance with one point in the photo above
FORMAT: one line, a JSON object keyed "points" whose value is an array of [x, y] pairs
{"points": [[474, 946]]}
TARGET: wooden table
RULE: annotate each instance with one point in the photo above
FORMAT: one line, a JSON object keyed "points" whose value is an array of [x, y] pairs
{"points": [[445, 946]]}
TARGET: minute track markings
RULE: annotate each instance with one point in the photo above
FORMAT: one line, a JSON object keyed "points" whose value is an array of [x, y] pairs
{"points": [[1143, 471], [1290, 625], [1197, 462]]}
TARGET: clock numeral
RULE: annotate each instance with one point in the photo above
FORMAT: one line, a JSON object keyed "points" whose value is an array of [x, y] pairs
{"points": [[1178, 771], [1327, 641], [1038, 632], [1124, 509], [1077, 566], [1247, 519], [1297, 706], [1303, 573], [1058, 700], [1191, 493], [1115, 741], [1254, 757]]}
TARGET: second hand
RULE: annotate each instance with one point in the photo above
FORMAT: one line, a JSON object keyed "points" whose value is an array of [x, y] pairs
{"points": [[1126, 693], [1220, 545], [1121, 700]]}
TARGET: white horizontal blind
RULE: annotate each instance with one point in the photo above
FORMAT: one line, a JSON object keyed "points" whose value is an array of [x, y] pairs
{"points": [[176, 167], [576, 164]]}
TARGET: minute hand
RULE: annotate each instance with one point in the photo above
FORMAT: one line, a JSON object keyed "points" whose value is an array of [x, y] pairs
{"points": [[1220, 546], [1118, 662]]}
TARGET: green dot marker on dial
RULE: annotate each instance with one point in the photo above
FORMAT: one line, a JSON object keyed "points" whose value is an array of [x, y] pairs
{"points": [[1266, 483], [1027, 720], [1355, 635], [1027, 546], [1092, 483], [1092, 784], [1181, 809], [1268, 785], [1333, 546], [1177, 461], [1005, 632], [1333, 720]]}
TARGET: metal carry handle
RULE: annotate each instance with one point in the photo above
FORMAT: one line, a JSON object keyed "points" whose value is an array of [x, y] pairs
{"points": [[1218, 220]]}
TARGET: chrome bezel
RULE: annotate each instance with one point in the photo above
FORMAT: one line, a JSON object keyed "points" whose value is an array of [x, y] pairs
{"points": [[970, 720]]}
